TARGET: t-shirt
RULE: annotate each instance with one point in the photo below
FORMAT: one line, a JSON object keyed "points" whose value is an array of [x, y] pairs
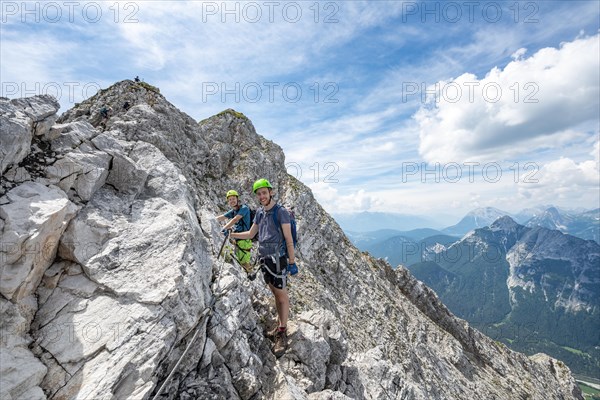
{"points": [[243, 224], [270, 237]]}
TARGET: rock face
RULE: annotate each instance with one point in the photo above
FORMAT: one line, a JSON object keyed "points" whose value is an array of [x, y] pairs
{"points": [[111, 288]]}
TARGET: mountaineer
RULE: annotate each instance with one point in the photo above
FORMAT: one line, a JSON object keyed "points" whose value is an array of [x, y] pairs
{"points": [[240, 221], [276, 251], [105, 112]]}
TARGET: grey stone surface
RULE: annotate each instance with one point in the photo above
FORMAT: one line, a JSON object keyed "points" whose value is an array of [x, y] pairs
{"points": [[34, 219]]}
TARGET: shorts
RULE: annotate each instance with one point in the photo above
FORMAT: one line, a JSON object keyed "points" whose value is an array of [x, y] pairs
{"points": [[273, 275], [243, 250]]}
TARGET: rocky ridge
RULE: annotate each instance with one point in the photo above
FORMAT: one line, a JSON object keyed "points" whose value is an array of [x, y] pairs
{"points": [[111, 288]]}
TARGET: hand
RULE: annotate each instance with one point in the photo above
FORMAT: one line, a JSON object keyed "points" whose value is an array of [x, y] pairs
{"points": [[292, 268], [225, 232]]}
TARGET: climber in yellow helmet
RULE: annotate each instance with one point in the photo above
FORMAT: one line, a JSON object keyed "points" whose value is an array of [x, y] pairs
{"points": [[239, 221]]}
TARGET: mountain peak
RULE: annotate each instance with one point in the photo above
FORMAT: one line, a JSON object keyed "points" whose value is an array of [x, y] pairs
{"points": [[504, 223], [486, 211], [553, 211], [477, 218]]}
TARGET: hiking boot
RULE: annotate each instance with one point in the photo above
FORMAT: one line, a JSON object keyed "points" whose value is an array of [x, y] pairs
{"points": [[251, 274], [280, 343], [272, 333], [247, 267]]}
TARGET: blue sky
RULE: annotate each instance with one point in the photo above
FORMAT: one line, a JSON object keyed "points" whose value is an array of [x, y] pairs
{"points": [[511, 119]]}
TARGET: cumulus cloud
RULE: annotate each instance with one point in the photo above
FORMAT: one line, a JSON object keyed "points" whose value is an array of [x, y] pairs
{"points": [[568, 173], [560, 181], [330, 198], [541, 96], [519, 53]]}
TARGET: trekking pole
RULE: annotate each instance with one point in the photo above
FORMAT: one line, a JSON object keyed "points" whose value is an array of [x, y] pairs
{"points": [[223, 245], [221, 249]]}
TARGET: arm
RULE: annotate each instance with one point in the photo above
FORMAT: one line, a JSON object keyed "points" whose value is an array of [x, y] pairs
{"points": [[232, 222], [289, 242], [227, 215], [246, 235]]}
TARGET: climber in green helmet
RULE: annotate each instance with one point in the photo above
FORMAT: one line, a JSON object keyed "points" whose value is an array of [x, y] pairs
{"points": [[273, 243], [239, 221]]}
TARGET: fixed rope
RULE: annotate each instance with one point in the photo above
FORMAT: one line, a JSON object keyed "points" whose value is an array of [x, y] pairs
{"points": [[162, 387]]}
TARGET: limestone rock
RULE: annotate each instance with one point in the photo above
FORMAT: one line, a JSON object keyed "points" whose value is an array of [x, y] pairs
{"points": [[34, 219], [83, 172], [328, 395], [15, 135], [20, 119], [20, 371], [38, 107], [66, 137], [317, 345]]}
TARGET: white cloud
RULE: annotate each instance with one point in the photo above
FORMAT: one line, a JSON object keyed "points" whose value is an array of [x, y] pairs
{"points": [[334, 202], [566, 173], [376, 146], [563, 181], [519, 53], [192, 37], [350, 141], [538, 96]]}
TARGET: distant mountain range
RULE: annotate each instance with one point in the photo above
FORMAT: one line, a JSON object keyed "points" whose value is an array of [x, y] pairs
{"points": [[529, 285], [585, 225], [533, 288], [365, 229], [477, 218], [364, 240], [373, 221], [405, 249]]}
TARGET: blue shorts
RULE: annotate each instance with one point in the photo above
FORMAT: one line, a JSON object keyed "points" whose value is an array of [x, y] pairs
{"points": [[273, 275]]}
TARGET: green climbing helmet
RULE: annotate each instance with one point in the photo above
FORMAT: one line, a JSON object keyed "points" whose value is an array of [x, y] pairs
{"points": [[231, 193], [261, 183]]}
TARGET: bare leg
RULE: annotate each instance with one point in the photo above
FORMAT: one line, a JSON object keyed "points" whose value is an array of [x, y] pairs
{"points": [[282, 303]]}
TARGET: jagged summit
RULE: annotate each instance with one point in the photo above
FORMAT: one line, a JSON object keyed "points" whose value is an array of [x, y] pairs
{"points": [[115, 96], [504, 223], [125, 208], [477, 218]]}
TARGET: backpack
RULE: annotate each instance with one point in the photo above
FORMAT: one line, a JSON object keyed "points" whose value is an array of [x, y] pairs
{"points": [[292, 225], [247, 228], [252, 215]]}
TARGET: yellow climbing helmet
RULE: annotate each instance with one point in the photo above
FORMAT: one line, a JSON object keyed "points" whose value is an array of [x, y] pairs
{"points": [[231, 193]]}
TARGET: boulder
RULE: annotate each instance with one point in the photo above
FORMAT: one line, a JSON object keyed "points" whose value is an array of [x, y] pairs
{"points": [[34, 217]]}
